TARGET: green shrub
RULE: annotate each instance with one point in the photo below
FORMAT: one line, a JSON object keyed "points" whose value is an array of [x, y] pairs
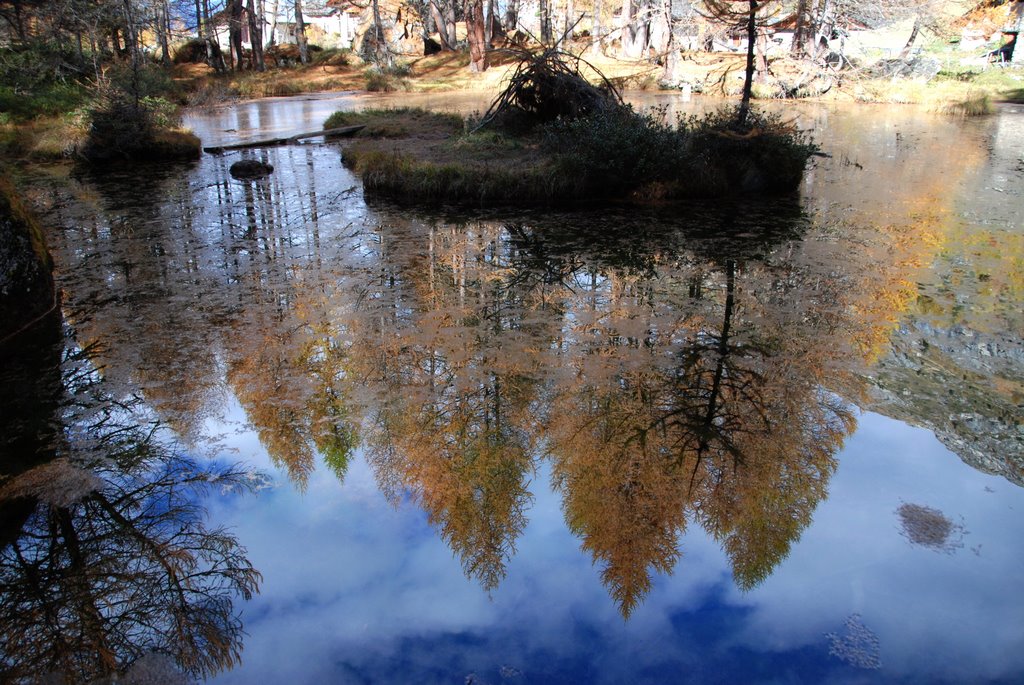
{"points": [[402, 178], [125, 129], [614, 153], [337, 57], [396, 122], [618, 149], [387, 80], [140, 80], [39, 65], [764, 155], [46, 100]]}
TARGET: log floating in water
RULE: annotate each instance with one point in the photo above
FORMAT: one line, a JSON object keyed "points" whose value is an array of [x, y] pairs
{"points": [[343, 131]]}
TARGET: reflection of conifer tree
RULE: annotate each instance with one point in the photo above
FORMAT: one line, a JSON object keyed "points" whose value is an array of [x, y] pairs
{"points": [[735, 429], [451, 384], [758, 511], [115, 561], [274, 397], [467, 468], [149, 266], [286, 369], [624, 497], [332, 427], [293, 390]]}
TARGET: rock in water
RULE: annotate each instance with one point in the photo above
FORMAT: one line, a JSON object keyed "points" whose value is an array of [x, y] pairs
{"points": [[250, 169]]}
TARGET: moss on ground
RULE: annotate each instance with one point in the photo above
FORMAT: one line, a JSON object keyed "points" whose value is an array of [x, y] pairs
{"points": [[402, 122]]}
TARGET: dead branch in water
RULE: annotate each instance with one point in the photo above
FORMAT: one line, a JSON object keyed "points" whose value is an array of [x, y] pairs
{"points": [[344, 131]]}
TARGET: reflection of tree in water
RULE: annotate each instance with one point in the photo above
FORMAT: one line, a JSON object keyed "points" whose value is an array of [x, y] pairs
{"points": [[669, 387], [673, 376], [450, 372], [114, 561], [694, 399], [930, 528]]}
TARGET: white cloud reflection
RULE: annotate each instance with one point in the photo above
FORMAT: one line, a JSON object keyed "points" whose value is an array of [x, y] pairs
{"points": [[358, 591]]}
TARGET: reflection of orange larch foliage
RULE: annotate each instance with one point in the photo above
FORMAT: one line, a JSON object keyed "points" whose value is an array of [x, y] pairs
{"points": [[273, 394], [623, 494], [887, 294], [471, 483], [448, 387], [726, 422]]}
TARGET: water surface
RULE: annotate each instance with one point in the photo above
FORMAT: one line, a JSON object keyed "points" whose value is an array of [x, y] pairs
{"points": [[745, 441]]}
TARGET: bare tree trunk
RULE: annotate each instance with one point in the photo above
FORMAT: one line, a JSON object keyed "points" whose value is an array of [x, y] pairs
{"points": [[381, 52], [449, 22], [163, 29], [672, 52], [131, 42], [199, 19], [235, 33], [442, 30], [213, 58], [596, 37], [799, 46], [19, 23], [570, 11], [762, 57], [428, 20], [272, 38], [444, 18], [474, 12], [256, 36], [659, 28], [497, 30], [905, 52], [627, 34], [300, 33], [489, 20], [748, 80], [512, 15], [545, 22], [822, 26]]}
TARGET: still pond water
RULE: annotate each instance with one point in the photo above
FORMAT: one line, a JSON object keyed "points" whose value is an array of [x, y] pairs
{"points": [[722, 442]]}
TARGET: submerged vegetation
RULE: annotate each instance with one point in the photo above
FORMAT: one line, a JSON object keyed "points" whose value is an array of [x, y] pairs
{"points": [[551, 137]]}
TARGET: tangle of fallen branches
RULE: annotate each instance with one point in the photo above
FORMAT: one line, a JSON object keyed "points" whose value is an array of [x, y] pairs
{"points": [[549, 84]]}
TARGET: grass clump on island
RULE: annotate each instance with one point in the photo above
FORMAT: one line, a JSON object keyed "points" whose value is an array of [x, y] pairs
{"points": [[553, 138]]}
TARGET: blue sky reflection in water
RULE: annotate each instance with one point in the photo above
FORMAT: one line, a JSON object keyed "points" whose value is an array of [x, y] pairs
{"points": [[503, 374], [356, 588]]}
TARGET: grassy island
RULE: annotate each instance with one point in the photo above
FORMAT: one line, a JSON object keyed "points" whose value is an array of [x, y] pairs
{"points": [[553, 138]]}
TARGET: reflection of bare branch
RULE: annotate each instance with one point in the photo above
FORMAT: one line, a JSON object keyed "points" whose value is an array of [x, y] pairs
{"points": [[120, 564]]}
